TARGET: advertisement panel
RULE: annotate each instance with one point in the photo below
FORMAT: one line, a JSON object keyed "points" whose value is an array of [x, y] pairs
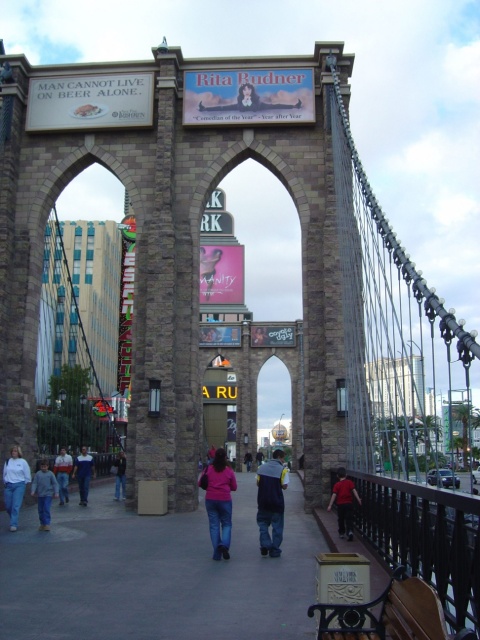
{"points": [[270, 336], [252, 96], [213, 335], [90, 102], [222, 274]]}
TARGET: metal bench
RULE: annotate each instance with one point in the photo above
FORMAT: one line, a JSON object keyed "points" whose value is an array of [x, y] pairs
{"points": [[409, 608]]}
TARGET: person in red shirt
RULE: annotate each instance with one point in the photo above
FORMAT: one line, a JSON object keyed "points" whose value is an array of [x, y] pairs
{"points": [[343, 493]]}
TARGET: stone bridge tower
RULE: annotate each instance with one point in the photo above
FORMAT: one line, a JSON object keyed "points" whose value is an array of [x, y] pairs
{"points": [[170, 129]]}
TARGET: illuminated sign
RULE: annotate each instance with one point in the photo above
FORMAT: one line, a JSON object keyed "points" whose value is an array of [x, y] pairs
{"points": [[249, 96], [129, 228], [221, 394]]}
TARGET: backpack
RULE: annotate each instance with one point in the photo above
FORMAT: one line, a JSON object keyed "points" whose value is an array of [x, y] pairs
{"points": [[204, 479]]}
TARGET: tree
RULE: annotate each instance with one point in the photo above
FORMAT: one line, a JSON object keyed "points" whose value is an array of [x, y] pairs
{"points": [[469, 417], [66, 420]]}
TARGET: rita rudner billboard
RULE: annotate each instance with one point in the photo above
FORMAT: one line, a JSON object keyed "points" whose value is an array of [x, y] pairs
{"points": [[90, 102], [253, 96]]}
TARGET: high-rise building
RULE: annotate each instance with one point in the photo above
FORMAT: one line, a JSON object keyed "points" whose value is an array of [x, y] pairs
{"points": [[397, 386], [93, 254]]}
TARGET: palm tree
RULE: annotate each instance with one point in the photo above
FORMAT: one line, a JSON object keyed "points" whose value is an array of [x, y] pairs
{"points": [[470, 418]]}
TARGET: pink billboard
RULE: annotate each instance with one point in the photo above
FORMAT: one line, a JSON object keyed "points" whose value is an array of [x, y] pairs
{"points": [[222, 274]]}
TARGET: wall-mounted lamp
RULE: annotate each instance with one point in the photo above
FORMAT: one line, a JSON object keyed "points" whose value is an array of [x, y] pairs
{"points": [[245, 439], [342, 408], [154, 398], [62, 395]]}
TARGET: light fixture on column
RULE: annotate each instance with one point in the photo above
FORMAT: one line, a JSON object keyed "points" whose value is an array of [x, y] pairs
{"points": [[154, 398], [245, 439], [341, 398]]}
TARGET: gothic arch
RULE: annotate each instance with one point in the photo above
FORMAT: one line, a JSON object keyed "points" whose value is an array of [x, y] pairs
{"points": [[247, 149]]}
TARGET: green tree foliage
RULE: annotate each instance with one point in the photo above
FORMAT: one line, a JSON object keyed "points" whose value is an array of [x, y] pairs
{"points": [[68, 422]]}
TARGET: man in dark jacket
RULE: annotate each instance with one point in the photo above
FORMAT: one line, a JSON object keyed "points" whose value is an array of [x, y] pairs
{"points": [[272, 480]]}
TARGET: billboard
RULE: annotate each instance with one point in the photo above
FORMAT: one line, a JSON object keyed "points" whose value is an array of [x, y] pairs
{"points": [[214, 335], [90, 102], [222, 274], [249, 96], [272, 336]]}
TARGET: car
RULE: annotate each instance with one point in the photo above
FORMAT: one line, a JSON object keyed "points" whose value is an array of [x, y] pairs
{"points": [[443, 476], [476, 476]]}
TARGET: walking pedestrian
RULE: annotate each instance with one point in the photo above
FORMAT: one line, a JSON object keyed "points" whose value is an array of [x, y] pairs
{"points": [[45, 486], [343, 493], [84, 469], [218, 503], [272, 481], [62, 469], [16, 476], [247, 461], [259, 457], [120, 478]]}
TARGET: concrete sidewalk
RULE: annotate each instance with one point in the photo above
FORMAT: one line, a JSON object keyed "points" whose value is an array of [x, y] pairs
{"points": [[105, 573]]}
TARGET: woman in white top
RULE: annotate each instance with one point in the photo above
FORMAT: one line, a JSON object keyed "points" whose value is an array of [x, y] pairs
{"points": [[16, 475]]}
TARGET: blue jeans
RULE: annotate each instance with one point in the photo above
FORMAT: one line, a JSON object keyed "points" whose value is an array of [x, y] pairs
{"points": [[120, 481], [13, 496], [219, 518], [62, 479], [44, 505], [265, 519], [83, 486]]}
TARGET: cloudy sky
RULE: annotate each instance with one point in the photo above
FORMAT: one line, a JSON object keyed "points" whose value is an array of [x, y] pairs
{"points": [[415, 118]]}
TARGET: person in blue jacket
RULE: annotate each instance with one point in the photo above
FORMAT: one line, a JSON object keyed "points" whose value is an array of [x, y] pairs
{"points": [[272, 481], [84, 469]]}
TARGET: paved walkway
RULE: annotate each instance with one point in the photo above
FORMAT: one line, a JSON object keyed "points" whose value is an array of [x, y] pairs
{"points": [[103, 573]]}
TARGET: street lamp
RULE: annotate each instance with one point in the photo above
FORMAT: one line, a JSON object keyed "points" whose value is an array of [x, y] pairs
{"points": [[83, 402]]}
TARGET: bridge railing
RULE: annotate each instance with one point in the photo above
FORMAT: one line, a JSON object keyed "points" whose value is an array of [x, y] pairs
{"points": [[433, 532]]}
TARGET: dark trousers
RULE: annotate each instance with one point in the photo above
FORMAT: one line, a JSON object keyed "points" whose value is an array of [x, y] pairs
{"points": [[345, 518]]}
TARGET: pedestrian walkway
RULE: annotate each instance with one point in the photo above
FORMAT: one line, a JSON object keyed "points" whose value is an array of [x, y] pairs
{"points": [[103, 573]]}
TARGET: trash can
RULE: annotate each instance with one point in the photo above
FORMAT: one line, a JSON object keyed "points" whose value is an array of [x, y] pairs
{"points": [[343, 578], [152, 497]]}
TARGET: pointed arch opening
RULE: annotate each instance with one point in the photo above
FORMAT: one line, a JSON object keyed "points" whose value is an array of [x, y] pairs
{"points": [[275, 411]]}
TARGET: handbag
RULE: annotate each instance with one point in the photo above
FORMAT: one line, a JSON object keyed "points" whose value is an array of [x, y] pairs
{"points": [[204, 479], [113, 470]]}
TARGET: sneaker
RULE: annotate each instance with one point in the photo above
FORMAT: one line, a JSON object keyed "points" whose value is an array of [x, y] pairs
{"points": [[116, 499], [46, 527], [350, 536], [41, 527], [80, 504], [12, 529], [224, 551], [60, 504], [342, 535], [264, 551]]}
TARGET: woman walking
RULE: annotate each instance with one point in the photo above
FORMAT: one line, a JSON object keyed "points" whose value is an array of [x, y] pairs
{"points": [[218, 502], [16, 475]]}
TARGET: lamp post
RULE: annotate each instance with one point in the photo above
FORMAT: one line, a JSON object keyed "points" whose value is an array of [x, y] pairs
{"points": [[83, 402], [62, 396]]}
